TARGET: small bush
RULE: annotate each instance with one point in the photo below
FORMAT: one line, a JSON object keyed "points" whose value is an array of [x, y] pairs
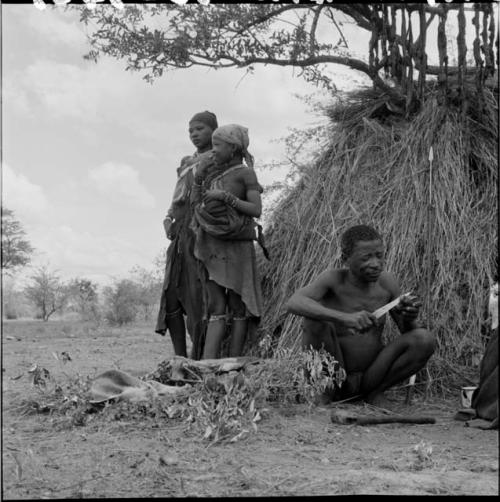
{"points": [[10, 314], [121, 303], [66, 329]]}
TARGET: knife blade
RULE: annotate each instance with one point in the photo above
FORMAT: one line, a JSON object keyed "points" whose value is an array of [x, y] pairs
{"points": [[383, 310]]}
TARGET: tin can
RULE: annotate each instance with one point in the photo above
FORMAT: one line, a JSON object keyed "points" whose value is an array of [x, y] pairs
{"points": [[466, 396]]}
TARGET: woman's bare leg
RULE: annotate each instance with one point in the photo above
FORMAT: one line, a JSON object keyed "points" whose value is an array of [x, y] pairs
{"points": [[217, 320], [240, 324], [238, 337]]}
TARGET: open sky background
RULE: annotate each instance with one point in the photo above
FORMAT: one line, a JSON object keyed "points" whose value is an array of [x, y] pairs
{"points": [[90, 151]]}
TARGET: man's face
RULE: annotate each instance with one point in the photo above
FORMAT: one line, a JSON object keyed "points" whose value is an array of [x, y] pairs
{"points": [[200, 134], [366, 261], [223, 152]]}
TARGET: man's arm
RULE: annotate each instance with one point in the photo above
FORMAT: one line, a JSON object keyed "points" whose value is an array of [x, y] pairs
{"points": [[306, 302], [405, 314]]}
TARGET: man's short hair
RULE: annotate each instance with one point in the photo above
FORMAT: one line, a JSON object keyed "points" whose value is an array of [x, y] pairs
{"points": [[355, 234]]}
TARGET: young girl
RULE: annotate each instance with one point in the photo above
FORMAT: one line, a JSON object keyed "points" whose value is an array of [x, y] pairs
{"points": [[227, 198], [182, 286]]}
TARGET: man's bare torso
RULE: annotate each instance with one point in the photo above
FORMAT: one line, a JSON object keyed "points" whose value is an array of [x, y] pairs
{"points": [[358, 348]]}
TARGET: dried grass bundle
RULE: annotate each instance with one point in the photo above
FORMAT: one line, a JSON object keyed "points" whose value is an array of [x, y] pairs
{"points": [[376, 171]]}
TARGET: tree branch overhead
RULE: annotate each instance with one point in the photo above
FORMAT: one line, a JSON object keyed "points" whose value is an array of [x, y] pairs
{"points": [[242, 35]]}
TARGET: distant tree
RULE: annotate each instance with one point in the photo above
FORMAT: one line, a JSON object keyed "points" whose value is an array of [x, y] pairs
{"points": [[159, 262], [47, 292], [148, 284], [16, 250], [121, 302], [84, 298]]}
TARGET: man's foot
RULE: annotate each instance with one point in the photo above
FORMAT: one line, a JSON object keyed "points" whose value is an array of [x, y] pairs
{"points": [[326, 398], [380, 401]]}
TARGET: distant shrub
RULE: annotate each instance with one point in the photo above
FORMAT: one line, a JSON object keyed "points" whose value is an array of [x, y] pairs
{"points": [[10, 314], [14, 303], [94, 316], [121, 302], [84, 299], [66, 329]]}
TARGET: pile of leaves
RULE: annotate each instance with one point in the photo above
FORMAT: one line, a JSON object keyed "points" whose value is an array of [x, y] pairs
{"points": [[65, 400], [230, 405], [224, 406]]}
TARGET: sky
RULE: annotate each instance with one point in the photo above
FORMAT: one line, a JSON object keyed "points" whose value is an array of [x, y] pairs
{"points": [[90, 151]]}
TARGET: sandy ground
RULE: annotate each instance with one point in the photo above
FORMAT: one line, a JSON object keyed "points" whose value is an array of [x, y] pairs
{"points": [[296, 450]]}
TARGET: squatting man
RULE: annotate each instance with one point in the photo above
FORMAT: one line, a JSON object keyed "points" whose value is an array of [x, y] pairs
{"points": [[338, 316]]}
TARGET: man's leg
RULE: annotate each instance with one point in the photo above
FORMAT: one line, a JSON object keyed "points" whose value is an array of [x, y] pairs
{"points": [[317, 335], [397, 361]]}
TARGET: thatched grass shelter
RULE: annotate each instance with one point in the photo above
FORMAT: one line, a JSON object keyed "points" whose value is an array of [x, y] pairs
{"points": [[438, 218]]}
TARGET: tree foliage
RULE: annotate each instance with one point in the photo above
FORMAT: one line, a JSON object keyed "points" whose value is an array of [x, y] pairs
{"points": [[47, 292], [160, 37], [16, 250], [121, 302], [14, 302], [148, 289], [84, 298]]}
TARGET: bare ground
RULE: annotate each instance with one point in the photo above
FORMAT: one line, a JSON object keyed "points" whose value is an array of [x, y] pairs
{"points": [[296, 450]]}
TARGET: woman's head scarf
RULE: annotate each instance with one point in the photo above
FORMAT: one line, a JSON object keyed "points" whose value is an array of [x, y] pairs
{"points": [[235, 135], [207, 118]]}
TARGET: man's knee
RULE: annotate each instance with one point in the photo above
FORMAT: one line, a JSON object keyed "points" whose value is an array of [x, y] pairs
{"points": [[313, 327], [422, 342], [313, 333]]}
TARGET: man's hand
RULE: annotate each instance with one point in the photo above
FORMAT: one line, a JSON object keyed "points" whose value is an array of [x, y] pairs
{"points": [[169, 227], [409, 307], [359, 321]]}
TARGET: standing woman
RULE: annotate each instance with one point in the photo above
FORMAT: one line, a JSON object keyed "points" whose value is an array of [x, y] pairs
{"points": [[182, 292], [227, 199]]}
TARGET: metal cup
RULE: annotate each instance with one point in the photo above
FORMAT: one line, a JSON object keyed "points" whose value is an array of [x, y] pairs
{"points": [[466, 396]]}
